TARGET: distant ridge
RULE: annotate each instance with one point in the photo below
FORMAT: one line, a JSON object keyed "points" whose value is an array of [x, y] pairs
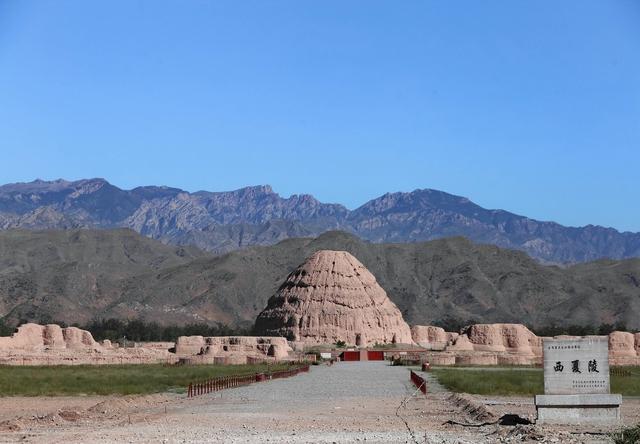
{"points": [[225, 221], [77, 275]]}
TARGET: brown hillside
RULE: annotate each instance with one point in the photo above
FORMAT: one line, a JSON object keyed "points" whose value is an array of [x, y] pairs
{"points": [[76, 275]]}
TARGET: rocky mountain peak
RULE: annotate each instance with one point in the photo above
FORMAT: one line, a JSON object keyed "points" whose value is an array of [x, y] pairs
{"points": [[256, 215], [255, 190], [88, 186]]}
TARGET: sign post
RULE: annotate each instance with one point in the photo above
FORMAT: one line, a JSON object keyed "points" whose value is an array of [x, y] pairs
{"points": [[576, 382]]}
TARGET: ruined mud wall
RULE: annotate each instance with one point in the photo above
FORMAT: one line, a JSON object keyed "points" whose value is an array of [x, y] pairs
{"points": [[34, 344], [507, 344], [232, 349]]}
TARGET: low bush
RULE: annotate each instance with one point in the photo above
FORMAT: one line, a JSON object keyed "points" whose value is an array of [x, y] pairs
{"points": [[628, 435]]}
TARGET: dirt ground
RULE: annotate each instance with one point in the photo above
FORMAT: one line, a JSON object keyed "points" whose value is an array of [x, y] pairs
{"points": [[348, 402], [13, 407]]}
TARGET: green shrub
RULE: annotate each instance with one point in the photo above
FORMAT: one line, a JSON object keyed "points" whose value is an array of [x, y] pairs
{"points": [[628, 435]]}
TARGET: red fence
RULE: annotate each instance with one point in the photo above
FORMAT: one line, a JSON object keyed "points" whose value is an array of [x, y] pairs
{"points": [[419, 382], [225, 382]]}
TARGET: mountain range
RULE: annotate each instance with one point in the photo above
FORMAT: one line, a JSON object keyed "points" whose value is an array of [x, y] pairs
{"points": [[220, 222], [79, 274]]}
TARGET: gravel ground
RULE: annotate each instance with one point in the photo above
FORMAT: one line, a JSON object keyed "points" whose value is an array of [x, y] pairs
{"points": [[348, 402], [345, 403]]}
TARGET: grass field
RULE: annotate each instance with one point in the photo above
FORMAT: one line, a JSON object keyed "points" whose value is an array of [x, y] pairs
{"points": [[112, 379], [519, 381]]}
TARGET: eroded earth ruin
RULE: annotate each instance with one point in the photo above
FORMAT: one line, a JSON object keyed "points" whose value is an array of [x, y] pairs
{"points": [[332, 297]]}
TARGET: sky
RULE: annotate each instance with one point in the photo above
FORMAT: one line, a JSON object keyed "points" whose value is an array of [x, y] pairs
{"points": [[532, 107]]}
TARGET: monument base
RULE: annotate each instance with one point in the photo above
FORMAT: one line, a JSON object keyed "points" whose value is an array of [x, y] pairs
{"points": [[578, 409]]}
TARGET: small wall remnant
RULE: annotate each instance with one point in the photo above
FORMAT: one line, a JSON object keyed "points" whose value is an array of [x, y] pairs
{"points": [[231, 349], [34, 337], [432, 338]]}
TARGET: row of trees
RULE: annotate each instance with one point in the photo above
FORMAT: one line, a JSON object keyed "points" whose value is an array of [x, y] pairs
{"points": [[581, 330], [138, 330], [5, 328]]}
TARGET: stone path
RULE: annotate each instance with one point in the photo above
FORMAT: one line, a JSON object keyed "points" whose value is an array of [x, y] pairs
{"points": [[348, 402]]}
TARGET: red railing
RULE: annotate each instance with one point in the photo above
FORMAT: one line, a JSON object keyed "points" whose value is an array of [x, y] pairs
{"points": [[288, 373], [225, 382], [419, 381]]}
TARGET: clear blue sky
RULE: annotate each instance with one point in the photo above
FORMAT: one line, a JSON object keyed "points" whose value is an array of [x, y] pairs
{"points": [[533, 106]]}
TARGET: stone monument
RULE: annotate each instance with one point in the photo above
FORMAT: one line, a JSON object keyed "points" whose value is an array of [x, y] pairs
{"points": [[576, 382]]}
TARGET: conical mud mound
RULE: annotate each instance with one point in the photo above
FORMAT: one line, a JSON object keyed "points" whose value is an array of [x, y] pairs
{"points": [[333, 297]]}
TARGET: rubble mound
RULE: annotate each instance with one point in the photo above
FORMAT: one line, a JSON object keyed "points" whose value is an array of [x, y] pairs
{"points": [[332, 297]]}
